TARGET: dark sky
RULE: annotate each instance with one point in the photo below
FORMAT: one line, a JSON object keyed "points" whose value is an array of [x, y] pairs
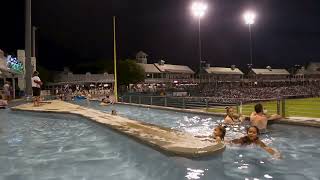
{"points": [[287, 32]]}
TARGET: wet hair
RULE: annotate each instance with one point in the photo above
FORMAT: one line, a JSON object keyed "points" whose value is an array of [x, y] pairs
{"points": [[257, 129], [35, 73], [228, 108], [258, 108], [223, 131], [113, 112]]}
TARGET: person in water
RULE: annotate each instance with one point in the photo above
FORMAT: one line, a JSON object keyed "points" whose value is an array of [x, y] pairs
{"points": [[259, 119], [218, 134], [252, 137], [106, 101], [114, 112], [232, 118]]}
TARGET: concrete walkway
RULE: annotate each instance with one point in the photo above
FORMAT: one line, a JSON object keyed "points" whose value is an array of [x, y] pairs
{"points": [[301, 121], [164, 139]]}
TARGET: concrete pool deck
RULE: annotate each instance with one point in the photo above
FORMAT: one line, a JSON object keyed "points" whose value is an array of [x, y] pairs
{"points": [[167, 140], [299, 121]]}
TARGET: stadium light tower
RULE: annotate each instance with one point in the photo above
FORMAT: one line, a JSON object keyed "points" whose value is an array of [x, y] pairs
{"points": [[249, 18], [28, 68], [199, 9]]}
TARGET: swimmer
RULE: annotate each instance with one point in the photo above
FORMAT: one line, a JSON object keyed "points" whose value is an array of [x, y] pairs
{"points": [[252, 137], [218, 134], [232, 118], [260, 119], [114, 112], [105, 101]]}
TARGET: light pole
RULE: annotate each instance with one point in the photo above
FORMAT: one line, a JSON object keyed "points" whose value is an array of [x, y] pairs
{"points": [[115, 88], [34, 29], [199, 9], [28, 89], [249, 18]]}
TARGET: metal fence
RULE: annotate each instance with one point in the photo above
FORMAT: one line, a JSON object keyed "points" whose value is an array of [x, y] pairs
{"points": [[306, 107], [206, 104], [178, 102]]}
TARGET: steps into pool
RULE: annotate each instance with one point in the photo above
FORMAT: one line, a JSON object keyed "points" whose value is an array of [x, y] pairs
{"points": [[166, 140]]}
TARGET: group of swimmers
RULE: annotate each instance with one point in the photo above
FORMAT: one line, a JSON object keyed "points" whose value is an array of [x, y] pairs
{"points": [[258, 118], [251, 138], [258, 122]]}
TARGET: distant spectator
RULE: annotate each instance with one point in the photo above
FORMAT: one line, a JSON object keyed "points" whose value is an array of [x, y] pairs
{"points": [[7, 91], [3, 103], [36, 88]]}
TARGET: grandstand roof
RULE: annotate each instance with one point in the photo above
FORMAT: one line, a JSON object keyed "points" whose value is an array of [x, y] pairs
{"points": [[300, 72], [149, 68], [313, 68], [270, 71], [223, 70], [141, 53], [174, 68]]}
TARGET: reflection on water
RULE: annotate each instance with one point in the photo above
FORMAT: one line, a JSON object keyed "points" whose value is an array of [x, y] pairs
{"points": [[194, 173]]}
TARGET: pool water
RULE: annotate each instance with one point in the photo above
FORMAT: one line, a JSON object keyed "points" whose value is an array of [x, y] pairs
{"points": [[52, 146]]}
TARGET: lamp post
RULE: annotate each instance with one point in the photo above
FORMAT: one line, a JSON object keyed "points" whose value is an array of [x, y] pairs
{"points": [[34, 29], [28, 69], [115, 88], [199, 9], [249, 18]]}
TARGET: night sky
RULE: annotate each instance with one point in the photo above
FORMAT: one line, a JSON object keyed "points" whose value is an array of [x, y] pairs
{"points": [[287, 32]]}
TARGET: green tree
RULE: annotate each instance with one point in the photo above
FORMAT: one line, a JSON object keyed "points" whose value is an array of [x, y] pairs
{"points": [[129, 72]]}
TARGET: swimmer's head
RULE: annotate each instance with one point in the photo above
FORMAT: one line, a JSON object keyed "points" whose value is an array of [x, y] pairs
{"points": [[35, 73], [253, 132], [219, 131], [230, 110], [258, 108], [113, 112]]}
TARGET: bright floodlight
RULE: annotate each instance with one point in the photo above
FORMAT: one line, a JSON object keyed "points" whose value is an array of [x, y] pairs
{"points": [[199, 8], [249, 17]]}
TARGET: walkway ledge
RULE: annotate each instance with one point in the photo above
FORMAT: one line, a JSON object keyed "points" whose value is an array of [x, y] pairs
{"points": [[166, 140]]}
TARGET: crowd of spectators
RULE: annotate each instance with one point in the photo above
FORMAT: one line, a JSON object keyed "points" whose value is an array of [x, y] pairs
{"points": [[228, 93], [69, 92], [264, 92], [224, 93]]}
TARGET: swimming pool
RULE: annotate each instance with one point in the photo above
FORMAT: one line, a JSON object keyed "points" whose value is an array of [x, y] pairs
{"points": [[50, 146]]}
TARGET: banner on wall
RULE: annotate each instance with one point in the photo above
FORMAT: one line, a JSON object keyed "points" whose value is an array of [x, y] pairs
{"points": [[14, 64]]}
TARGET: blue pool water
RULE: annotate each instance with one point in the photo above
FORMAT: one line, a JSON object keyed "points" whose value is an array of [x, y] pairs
{"points": [[50, 146]]}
